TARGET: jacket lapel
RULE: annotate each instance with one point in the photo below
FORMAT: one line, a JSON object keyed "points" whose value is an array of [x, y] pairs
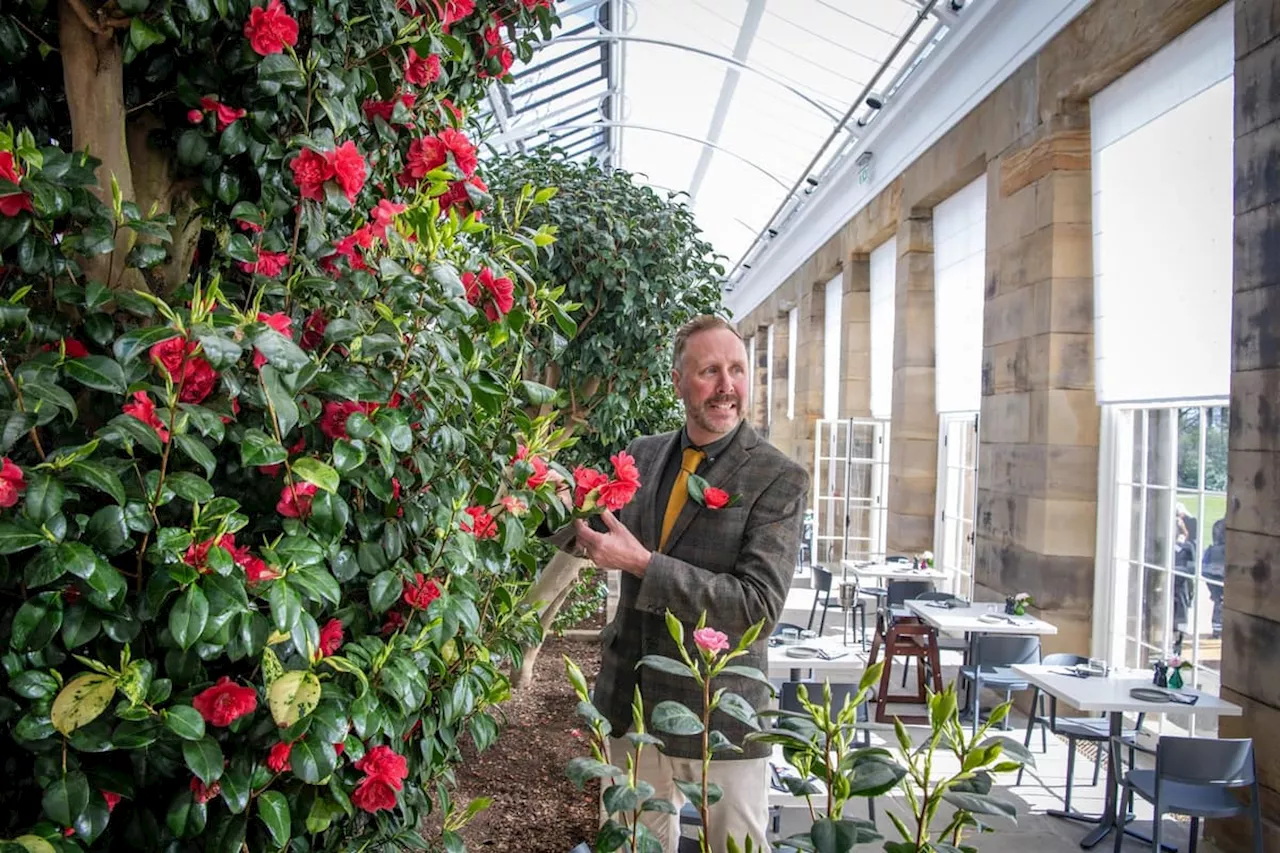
{"points": [[720, 471]]}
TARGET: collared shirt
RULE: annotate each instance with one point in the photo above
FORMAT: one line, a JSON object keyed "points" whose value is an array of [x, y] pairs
{"points": [[672, 468]]}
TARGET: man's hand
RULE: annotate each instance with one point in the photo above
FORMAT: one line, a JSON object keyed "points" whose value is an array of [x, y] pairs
{"points": [[616, 549]]}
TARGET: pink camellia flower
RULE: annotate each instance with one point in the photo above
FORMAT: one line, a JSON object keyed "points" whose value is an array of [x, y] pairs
{"points": [[710, 640], [381, 216], [586, 481], [270, 30], [514, 505], [11, 483], [295, 501]]}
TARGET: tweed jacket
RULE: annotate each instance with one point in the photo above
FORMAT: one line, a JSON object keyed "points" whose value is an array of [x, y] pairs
{"points": [[735, 563]]}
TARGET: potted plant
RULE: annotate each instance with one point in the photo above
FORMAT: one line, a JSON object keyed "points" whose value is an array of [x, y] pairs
{"points": [[1016, 605]]}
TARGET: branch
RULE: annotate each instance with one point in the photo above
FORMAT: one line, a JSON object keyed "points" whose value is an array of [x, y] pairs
{"points": [[85, 17]]}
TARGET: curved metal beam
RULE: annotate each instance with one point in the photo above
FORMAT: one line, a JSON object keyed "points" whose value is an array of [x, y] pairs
{"points": [[728, 60], [516, 135]]}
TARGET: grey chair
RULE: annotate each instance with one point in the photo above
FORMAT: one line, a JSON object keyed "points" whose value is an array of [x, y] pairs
{"points": [[789, 700], [1194, 777], [991, 663], [1089, 729], [822, 582]]}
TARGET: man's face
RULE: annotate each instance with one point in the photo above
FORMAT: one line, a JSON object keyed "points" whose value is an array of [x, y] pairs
{"points": [[712, 382]]}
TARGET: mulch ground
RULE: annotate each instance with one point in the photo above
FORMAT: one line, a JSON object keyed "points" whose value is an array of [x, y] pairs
{"points": [[536, 809]]}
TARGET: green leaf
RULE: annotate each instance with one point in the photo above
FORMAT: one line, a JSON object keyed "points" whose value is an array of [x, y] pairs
{"points": [[257, 448], [738, 708], [199, 10], [33, 684], [280, 398], [79, 703], [292, 696], [384, 591], [95, 475], [203, 758], [281, 68], [674, 718], [134, 343], [693, 790], [280, 351], [66, 798], [317, 473], [16, 425], [188, 617], [51, 395], [198, 452], [193, 148], [347, 457], [98, 372], [980, 804], [667, 665], [536, 393], [36, 621], [749, 672], [312, 760], [44, 497], [273, 810], [142, 35], [840, 836], [286, 606], [582, 770], [186, 818], [189, 486], [185, 722], [14, 538]]}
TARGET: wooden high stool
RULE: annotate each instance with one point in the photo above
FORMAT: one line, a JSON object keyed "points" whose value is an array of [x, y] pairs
{"points": [[907, 637]]}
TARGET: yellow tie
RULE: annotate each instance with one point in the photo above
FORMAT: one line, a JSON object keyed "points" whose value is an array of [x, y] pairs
{"points": [[679, 491]]}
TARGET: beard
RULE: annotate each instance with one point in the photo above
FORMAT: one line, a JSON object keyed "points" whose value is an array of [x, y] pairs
{"points": [[716, 421]]}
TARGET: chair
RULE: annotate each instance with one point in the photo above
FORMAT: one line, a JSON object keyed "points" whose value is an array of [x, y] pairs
{"points": [[1089, 729], [990, 666], [954, 644], [1194, 777], [822, 580], [841, 692]]}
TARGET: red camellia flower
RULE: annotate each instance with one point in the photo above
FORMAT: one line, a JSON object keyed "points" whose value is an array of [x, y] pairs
{"points": [[464, 153], [533, 4], [540, 471], [481, 525], [393, 623], [421, 70], [495, 295], [195, 116], [349, 169], [295, 501], [385, 109], [373, 794], [270, 30], [113, 800], [278, 757], [383, 762], [227, 116], [15, 203], [313, 330], [452, 11], [11, 483], [421, 592], [70, 346], [457, 196], [585, 481], [333, 419], [618, 492], [194, 375], [144, 409], [270, 264], [256, 569], [198, 554], [382, 215], [330, 638], [310, 170], [225, 702], [204, 793], [715, 498], [423, 156]]}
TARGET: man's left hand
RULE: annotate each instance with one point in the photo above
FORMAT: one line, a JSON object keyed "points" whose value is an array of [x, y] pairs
{"points": [[617, 549]]}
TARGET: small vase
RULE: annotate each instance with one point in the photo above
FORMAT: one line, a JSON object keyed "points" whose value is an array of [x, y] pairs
{"points": [[1175, 679], [1019, 610], [1010, 607], [1161, 678]]}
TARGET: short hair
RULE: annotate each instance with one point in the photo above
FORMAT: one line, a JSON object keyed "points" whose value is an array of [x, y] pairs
{"points": [[701, 323]]}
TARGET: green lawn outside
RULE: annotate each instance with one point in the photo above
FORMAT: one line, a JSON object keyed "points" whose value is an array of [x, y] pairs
{"points": [[1215, 507]]}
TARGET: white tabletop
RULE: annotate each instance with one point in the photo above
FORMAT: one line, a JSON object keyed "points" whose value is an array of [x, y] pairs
{"points": [[978, 618], [1111, 694], [846, 658], [893, 571]]}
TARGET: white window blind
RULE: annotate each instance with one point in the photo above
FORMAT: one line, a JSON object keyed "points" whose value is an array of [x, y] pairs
{"points": [[884, 272], [793, 332], [831, 348], [751, 376], [959, 269], [1163, 172], [768, 376]]}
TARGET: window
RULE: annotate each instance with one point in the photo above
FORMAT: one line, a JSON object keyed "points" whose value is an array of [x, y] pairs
{"points": [[957, 490], [850, 489], [1168, 520], [793, 332]]}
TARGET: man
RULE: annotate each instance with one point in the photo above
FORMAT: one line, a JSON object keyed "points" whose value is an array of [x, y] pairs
{"points": [[734, 563]]}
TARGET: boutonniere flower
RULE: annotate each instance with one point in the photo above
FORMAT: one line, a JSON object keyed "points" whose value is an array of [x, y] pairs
{"points": [[709, 496]]}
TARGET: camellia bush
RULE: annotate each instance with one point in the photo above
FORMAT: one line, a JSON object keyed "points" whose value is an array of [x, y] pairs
{"points": [[267, 468]]}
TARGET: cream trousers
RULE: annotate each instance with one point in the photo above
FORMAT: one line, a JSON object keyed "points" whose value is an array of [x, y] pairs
{"points": [[742, 811]]}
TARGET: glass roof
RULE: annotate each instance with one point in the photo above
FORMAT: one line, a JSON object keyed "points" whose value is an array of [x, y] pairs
{"points": [[732, 102]]}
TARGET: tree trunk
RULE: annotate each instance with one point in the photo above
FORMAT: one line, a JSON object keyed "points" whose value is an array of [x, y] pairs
{"points": [[93, 73], [549, 591], [159, 193]]}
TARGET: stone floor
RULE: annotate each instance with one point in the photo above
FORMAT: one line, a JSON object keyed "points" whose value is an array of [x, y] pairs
{"points": [[1042, 788]]}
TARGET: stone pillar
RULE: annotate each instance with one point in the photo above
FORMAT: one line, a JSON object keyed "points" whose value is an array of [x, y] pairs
{"points": [[780, 426], [1251, 611], [759, 415], [855, 339], [811, 360], [913, 448], [1036, 519]]}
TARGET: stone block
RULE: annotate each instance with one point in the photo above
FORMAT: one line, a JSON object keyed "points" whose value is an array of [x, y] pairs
{"points": [[914, 272], [1006, 418], [1253, 490], [1257, 180], [1062, 527], [1063, 416], [855, 398], [1061, 360], [1255, 410], [913, 414], [1251, 655], [1257, 84], [1006, 368], [1256, 250], [857, 277], [1057, 582], [908, 534], [1010, 112], [1255, 329], [915, 234], [913, 338], [1009, 316], [1063, 305], [1257, 22], [1010, 218], [1065, 196], [915, 458], [1064, 472], [1000, 519], [1252, 582], [1067, 150]]}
